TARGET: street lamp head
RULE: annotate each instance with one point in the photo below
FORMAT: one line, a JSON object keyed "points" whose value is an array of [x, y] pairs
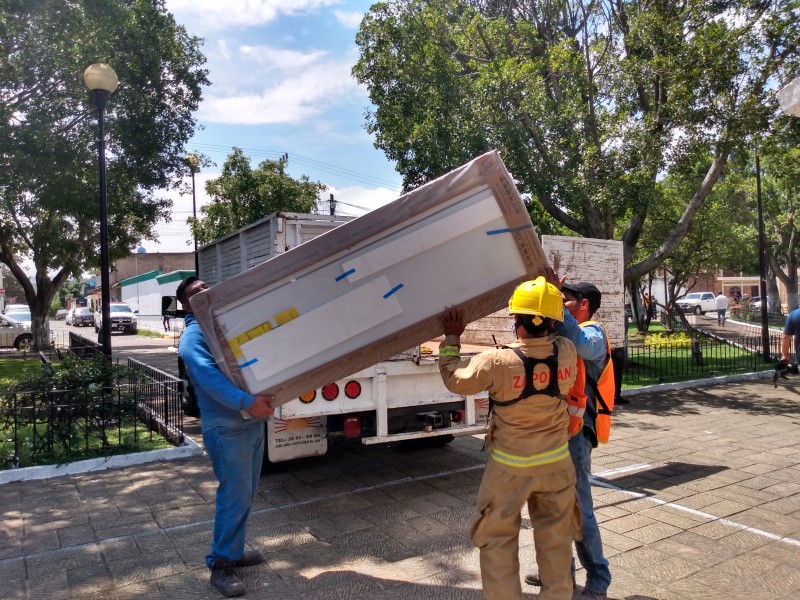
{"points": [[100, 76], [193, 161]]}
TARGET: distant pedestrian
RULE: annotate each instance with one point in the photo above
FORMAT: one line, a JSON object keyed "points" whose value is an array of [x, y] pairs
{"points": [[165, 321], [722, 306]]}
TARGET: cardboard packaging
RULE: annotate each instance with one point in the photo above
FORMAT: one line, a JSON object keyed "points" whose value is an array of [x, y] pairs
{"points": [[373, 287]]}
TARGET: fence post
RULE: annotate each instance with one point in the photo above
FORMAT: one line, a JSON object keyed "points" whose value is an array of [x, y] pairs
{"points": [[697, 353]]}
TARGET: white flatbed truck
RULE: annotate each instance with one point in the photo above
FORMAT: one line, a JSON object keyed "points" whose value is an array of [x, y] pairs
{"points": [[401, 399]]}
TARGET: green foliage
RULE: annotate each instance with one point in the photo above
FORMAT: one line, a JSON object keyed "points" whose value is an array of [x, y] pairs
{"points": [[71, 373], [49, 184], [592, 104], [242, 195], [72, 410]]}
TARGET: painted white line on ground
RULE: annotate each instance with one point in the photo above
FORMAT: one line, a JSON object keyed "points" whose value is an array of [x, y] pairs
{"points": [[618, 470], [699, 513]]}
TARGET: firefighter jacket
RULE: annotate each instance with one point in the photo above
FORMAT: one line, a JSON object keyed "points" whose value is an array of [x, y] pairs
{"points": [[529, 436]]}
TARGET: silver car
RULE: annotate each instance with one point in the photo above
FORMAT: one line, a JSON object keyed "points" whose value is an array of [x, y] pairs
{"points": [[15, 334]]}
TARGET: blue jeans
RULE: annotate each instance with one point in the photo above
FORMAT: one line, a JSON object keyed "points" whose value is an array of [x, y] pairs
{"points": [[590, 548], [236, 454]]}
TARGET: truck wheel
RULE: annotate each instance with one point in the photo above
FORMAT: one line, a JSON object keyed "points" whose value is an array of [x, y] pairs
{"points": [[697, 311], [24, 343]]}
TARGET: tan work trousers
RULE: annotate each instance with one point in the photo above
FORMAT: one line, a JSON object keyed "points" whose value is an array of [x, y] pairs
{"points": [[556, 519]]}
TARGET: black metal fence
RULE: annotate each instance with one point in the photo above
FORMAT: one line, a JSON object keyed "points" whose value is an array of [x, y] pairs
{"points": [[140, 412], [159, 396], [706, 357], [83, 347]]}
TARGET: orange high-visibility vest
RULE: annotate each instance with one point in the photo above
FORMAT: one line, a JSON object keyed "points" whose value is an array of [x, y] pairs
{"points": [[604, 391]]}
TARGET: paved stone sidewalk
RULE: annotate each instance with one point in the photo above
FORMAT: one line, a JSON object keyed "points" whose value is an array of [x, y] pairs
{"points": [[698, 495]]}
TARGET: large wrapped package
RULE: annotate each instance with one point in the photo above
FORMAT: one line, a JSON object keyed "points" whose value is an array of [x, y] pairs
{"points": [[373, 287]]}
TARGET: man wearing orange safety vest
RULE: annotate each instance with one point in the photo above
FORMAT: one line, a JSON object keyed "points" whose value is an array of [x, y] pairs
{"points": [[527, 442], [590, 402]]}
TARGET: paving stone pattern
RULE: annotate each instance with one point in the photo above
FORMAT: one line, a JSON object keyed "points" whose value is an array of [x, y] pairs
{"points": [[698, 496]]}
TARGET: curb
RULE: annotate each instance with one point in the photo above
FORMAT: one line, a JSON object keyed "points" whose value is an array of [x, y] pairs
{"points": [[189, 449], [695, 383]]}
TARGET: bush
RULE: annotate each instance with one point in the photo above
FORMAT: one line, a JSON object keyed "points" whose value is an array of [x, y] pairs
{"points": [[678, 339]]}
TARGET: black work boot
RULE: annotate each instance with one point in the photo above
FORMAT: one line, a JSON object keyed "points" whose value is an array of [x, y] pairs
{"points": [[225, 580], [250, 558]]}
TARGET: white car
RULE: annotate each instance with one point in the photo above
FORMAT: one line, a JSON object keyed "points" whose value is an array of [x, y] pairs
{"points": [[22, 315], [15, 334], [698, 303], [122, 318]]}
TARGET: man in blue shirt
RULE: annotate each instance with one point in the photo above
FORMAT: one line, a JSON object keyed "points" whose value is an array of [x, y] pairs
{"points": [[232, 421]]}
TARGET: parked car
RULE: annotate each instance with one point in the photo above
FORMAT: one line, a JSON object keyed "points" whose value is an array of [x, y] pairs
{"points": [[15, 334], [82, 317], [755, 303], [122, 318], [15, 308], [61, 314], [20, 314], [698, 303]]}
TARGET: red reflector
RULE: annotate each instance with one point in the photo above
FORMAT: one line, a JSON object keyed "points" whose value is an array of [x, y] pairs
{"points": [[352, 427], [330, 391], [457, 416], [352, 389]]}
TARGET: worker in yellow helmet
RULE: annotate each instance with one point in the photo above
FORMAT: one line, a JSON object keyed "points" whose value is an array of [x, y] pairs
{"points": [[529, 460]]}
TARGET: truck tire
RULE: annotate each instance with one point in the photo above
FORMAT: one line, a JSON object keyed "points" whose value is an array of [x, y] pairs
{"points": [[439, 441], [697, 310]]}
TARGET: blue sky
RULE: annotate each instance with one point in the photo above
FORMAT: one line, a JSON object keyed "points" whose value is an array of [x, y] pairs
{"points": [[280, 74]]}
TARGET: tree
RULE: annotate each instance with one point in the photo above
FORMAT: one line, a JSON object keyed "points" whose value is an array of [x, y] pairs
{"points": [[591, 103], [241, 195], [780, 163], [48, 133]]}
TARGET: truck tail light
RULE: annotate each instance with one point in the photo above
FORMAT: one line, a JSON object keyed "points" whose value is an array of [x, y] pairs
{"points": [[330, 391], [352, 389], [308, 397], [457, 416], [352, 427]]}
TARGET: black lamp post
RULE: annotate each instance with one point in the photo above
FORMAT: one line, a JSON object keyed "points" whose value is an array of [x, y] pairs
{"points": [[194, 166], [762, 264], [102, 81]]}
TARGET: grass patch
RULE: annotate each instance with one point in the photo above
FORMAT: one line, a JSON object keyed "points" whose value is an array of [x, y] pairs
{"points": [[148, 333], [33, 448], [13, 369]]}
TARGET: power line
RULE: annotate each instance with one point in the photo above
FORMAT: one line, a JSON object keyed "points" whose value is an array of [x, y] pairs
{"points": [[308, 162]]}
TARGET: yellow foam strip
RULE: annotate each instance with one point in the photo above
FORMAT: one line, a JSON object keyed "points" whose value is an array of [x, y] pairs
{"points": [[286, 316]]}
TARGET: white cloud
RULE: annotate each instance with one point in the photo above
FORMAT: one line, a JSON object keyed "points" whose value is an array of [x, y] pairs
{"points": [[297, 97], [205, 16], [349, 18], [280, 58]]}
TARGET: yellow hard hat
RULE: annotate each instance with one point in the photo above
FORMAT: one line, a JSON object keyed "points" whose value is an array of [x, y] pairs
{"points": [[537, 297]]}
